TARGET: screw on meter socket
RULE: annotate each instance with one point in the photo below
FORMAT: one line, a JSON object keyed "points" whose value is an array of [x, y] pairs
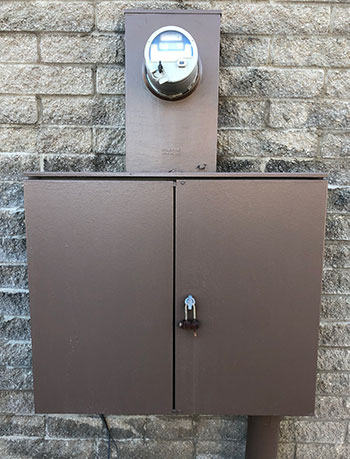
{"points": [[172, 67]]}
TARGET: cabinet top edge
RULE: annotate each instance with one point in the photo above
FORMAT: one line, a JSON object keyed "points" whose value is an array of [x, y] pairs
{"points": [[172, 175], [159, 11]]}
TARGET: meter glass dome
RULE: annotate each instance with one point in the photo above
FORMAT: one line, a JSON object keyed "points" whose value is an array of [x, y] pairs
{"points": [[171, 63], [170, 47]]}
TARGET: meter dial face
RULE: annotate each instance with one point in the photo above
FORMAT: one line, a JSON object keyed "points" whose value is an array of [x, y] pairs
{"points": [[171, 63]]}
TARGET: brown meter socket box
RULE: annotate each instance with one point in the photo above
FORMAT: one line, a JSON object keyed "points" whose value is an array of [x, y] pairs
{"points": [[112, 258], [165, 135]]}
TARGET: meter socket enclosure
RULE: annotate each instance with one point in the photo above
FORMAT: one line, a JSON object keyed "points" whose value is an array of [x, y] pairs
{"points": [[172, 70]]}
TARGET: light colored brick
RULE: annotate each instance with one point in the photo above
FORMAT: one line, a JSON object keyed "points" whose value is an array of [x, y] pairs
{"points": [[335, 334], [337, 255], [18, 47], [52, 16], [334, 359], [335, 407], [336, 281], [15, 328], [335, 307], [16, 402], [15, 354], [309, 431], [13, 166], [340, 19], [109, 140], [339, 199], [13, 250], [149, 449], [334, 145], [127, 427], [14, 303], [267, 143], [13, 276], [11, 195], [16, 378], [270, 82], [74, 426], [309, 51], [84, 163], [107, 49], [289, 114], [65, 140], [110, 14], [333, 383], [28, 426], [19, 448], [313, 114], [307, 451], [220, 450], [84, 110], [110, 80], [18, 139], [221, 429], [319, 1], [286, 451], [12, 223], [338, 83], [243, 50], [169, 428], [241, 113], [265, 18], [67, 110], [338, 227], [17, 109], [40, 79], [229, 163], [338, 171]]}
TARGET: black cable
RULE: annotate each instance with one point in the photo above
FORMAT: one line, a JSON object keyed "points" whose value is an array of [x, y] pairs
{"points": [[109, 435]]}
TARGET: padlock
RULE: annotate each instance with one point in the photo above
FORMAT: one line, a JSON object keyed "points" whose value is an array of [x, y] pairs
{"points": [[190, 323]]}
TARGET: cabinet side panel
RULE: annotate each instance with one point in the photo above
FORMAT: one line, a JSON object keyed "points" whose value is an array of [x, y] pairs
{"points": [[250, 252], [100, 277]]}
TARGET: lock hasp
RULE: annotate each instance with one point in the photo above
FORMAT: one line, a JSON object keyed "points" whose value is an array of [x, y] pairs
{"points": [[172, 70]]}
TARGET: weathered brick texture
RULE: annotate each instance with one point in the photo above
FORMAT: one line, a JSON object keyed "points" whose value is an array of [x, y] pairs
{"points": [[284, 106]]}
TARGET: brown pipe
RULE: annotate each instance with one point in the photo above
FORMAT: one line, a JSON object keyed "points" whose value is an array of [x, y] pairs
{"points": [[262, 438]]}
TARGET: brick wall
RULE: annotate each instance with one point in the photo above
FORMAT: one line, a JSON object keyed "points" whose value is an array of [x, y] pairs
{"points": [[284, 106]]}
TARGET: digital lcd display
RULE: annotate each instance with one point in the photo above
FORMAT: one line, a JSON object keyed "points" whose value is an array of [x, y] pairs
{"points": [[171, 36], [171, 46]]}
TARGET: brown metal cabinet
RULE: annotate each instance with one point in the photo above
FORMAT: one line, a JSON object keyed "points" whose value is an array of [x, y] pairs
{"points": [[100, 256], [112, 258], [250, 252]]}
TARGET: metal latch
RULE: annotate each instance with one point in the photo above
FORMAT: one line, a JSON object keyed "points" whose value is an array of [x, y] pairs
{"points": [[190, 323]]}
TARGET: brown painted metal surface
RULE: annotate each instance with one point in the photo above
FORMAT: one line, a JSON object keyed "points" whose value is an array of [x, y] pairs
{"points": [[100, 253], [173, 175], [163, 135], [250, 252], [100, 274], [262, 438]]}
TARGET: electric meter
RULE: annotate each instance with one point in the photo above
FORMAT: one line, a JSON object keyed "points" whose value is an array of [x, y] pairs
{"points": [[172, 67]]}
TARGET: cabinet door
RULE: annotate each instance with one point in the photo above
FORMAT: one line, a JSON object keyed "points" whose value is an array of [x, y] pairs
{"points": [[101, 286], [250, 252]]}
